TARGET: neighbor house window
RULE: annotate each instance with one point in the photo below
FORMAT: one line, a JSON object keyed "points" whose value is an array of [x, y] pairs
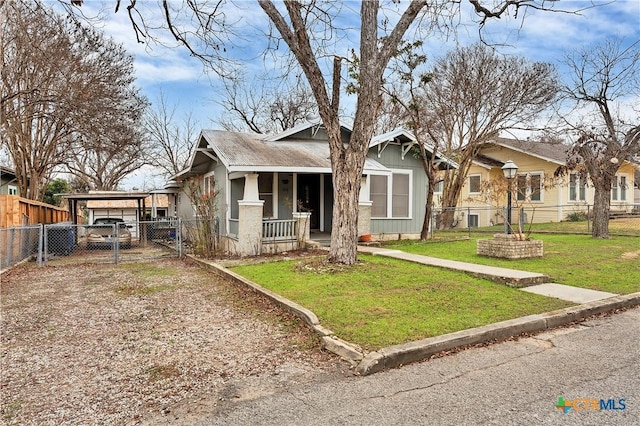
{"points": [[577, 188], [12, 190], [474, 184], [439, 187], [265, 190], [619, 188], [529, 187], [396, 204]]}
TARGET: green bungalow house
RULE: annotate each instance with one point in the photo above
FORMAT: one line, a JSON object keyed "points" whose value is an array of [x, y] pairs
{"points": [[275, 190]]}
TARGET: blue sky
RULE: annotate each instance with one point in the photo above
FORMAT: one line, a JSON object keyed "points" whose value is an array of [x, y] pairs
{"points": [[541, 36]]}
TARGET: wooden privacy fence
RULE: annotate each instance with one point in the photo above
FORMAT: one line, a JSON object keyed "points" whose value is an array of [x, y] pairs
{"points": [[18, 211]]}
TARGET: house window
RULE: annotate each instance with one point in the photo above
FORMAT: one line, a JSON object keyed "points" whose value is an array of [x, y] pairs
{"points": [[474, 184], [12, 190], [473, 221], [208, 184], [439, 187], [577, 188], [395, 204], [619, 188], [265, 192], [237, 192], [379, 196], [400, 195], [529, 187]]}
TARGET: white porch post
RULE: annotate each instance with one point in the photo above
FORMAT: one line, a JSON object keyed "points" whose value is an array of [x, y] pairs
{"points": [[303, 226], [364, 207], [250, 218]]}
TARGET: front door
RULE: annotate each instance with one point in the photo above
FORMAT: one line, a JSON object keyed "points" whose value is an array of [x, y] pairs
{"points": [[309, 197]]}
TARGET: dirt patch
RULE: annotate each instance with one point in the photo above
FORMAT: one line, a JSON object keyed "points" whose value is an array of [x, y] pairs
{"points": [[631, 255], [141, 342]]}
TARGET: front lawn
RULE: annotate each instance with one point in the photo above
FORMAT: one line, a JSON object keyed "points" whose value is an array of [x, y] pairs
{"points": [[383, 301], [611, 265]]}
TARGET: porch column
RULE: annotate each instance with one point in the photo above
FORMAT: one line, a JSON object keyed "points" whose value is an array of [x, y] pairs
{"points": [[250, 218], [303, 226], [364, 207]]}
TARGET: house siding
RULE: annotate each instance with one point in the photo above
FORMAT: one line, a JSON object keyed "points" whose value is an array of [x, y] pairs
{"points": [[391, 157], [554, 205]]}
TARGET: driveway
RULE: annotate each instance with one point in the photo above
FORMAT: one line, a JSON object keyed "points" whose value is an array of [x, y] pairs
{"points": [[122, 344]]}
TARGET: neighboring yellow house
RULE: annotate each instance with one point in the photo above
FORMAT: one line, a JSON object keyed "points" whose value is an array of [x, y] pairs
{"points": [[544, 197]]}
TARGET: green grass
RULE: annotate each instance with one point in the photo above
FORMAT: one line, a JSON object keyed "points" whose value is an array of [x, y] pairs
{"points": [[611, 265], [382, 301]]}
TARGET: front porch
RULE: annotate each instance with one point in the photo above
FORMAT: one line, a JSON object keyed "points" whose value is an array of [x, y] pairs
{"points": [[257, 228]]}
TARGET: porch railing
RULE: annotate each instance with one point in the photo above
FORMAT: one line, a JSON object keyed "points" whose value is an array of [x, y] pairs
{"points": [[279, 230]]}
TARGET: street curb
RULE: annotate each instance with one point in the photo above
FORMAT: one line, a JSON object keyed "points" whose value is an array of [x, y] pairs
{"points": [[406, 353], [395, 356]]}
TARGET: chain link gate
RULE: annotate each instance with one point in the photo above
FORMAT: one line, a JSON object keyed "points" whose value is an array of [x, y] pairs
{"points": [[111, 240]]}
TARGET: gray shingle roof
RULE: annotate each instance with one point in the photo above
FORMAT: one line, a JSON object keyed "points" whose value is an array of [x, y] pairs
{"points": [[556, 152]]}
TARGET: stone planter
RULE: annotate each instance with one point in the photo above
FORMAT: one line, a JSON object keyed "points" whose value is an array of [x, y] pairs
{"points": [[506, 246]]}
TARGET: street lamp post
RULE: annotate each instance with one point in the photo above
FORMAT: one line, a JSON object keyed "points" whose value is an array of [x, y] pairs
{"points": [[509, 169]]}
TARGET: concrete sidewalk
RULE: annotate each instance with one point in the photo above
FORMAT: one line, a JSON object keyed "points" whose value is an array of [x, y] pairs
{"points": [[531, 282], [511, 277]]}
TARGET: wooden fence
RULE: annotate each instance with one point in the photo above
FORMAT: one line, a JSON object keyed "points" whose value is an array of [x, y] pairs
{"points": [[18, 211]]}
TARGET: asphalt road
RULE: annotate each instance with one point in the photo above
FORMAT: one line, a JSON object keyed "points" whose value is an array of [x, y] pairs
{"points": [[511, 383]]}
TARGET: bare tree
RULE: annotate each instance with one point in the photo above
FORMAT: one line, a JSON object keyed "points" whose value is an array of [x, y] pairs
{"points": [[36, 128], [67, 94], [603, 80], [406, 100], [171, 139], [252, 106], [473, 95], [311, 32]]}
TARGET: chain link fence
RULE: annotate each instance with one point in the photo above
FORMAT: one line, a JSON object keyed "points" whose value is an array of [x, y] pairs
{"points": [[111, 241], [19, 243], [566, 219]]}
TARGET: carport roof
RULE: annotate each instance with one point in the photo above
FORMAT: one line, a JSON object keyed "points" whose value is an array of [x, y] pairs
{"points": [[114, 195]]}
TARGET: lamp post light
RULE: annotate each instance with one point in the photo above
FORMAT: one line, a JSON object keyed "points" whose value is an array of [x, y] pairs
{"points": [[509, 169]]}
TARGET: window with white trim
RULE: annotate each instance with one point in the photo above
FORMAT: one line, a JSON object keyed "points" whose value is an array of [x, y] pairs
{"points": [[12, 190], [439, 187], [475, 182], [529, 187], [577, 188], [395, 203], [400, 195], [208, 184], [379, 195], [619, 188]]}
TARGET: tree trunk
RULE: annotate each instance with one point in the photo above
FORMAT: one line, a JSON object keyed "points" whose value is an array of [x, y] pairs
{"points": [[424, 233], [346, 194], [450, 197], [601, 207]]}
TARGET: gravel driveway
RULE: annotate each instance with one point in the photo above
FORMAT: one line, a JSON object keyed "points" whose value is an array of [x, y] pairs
{"points": [[142, 343]]}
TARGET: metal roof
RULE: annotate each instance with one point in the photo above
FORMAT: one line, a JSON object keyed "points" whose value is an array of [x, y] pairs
{"points": [[107, 195], [247, 152]]}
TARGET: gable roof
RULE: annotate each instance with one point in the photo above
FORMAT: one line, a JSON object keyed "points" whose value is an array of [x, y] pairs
{"points": [[552, 152], [245, 152], [407, 139], [313, 125]]}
